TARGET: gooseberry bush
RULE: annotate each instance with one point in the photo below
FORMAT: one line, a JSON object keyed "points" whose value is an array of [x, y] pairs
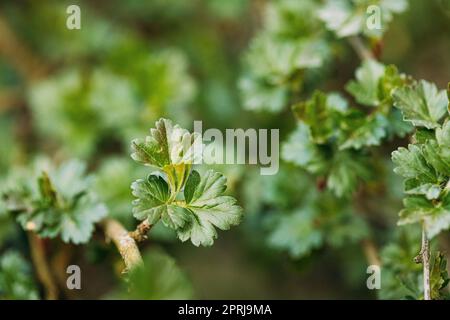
{"points": [[98, 171]]}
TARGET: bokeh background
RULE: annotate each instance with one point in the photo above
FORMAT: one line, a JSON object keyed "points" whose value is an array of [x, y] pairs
{"points": [[86, 93]]}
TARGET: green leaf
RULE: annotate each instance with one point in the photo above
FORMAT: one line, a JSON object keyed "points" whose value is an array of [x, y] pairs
{"points": [[429, 190], [257, 95], [432, 154], [443, 140], [338, 17], [401, 276], [422, 104], [434, 216], [16, 278], [345, 173], [153, 203], [443, 134], [411, 164], [171, 149], [438, 275], [422, 135], [58, 202], [208, 208], [368, 131], [275, 60], [299, 149], [167, 145], [365, 88], [191, 185], [296, 232], [322, 114], [348, 18]]}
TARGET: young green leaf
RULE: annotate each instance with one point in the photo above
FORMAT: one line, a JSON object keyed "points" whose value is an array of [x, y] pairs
{"points": [[208, 208], [365, 88], [166, 145], [170, 149], [153, 203]]}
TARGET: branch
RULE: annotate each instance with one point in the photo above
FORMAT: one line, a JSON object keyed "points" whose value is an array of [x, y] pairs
{"points": [[59, 265], [126, 245], [140, 234], [360, 49], [9, 99], [42, 267], [371, 252], [424, 259]]}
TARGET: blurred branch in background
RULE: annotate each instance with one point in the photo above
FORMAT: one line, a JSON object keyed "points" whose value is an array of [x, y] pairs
{"points": [[371, 252], [38, 255], [29, 66], [9, 98], [360, 49]]}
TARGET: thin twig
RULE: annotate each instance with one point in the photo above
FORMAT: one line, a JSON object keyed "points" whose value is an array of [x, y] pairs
{"points": [[42, 267], [371, 252], [426, 265], [126, 245], [360, 49], [424, 259], [140, 234]]}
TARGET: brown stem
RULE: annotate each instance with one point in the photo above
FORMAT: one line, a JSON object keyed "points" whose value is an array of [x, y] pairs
{"points": [[9, 99], [126, 245], [140, 234], [59, 263], [42, 267], [360, 49], [371, 252]]}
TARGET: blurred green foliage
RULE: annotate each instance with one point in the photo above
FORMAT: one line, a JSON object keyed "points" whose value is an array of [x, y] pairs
{"points": [[231, 64]]}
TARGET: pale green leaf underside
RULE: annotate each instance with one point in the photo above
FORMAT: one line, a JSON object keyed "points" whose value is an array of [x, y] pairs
{"points": [[422, 104]]}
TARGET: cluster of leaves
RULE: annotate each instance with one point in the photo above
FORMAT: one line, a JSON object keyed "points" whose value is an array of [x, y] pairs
{"points": [[291, 43], [83, 108], [425, 164], [54, 201], [402, 277], [184, 201], [332, 139], [302, 217], [294, 44]]}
